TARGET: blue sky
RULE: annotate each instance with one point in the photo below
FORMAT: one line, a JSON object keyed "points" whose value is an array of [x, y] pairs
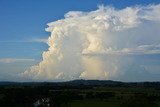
{"points": [[23, 23], [23, 20]]}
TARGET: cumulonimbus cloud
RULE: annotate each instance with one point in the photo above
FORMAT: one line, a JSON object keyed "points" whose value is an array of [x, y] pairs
{"points": [[89, 45]]}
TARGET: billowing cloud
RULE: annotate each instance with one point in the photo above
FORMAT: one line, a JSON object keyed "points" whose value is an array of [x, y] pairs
{"points": [[92, 45]]}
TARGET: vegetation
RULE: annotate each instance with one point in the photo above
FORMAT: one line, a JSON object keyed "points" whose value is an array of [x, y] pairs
{"points": [[80, 93]]}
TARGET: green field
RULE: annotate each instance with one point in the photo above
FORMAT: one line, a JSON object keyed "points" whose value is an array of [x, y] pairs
{"points": [[80, 95], [116, 97], [92, 103]]}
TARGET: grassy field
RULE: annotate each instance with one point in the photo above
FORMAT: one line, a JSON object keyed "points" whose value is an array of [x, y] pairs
{"points": [[92, 103], [122, 97], [76, 94]]}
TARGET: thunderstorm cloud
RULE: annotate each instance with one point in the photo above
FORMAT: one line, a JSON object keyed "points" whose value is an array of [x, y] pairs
{"points": [[96, 44]]}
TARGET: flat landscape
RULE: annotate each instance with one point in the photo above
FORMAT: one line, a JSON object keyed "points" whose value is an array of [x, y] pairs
{"points": [[80, 93]]}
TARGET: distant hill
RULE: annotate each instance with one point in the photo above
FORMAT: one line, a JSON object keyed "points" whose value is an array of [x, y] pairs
{"points": [[86, 83]]}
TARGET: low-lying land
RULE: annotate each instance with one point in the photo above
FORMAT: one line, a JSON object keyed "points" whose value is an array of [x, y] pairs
{"points": [[80, 93]]}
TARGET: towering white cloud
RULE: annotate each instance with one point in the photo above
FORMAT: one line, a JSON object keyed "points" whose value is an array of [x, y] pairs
{"points": [[90, 45]]}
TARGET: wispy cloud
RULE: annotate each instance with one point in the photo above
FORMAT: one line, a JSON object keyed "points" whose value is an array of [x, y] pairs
{"points": [[39, 40], [139, 50], [143, 49], [11, 60], [44, 40]]}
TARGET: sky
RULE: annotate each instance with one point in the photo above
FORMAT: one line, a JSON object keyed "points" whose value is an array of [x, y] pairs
{"points": [[60, 40]]}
